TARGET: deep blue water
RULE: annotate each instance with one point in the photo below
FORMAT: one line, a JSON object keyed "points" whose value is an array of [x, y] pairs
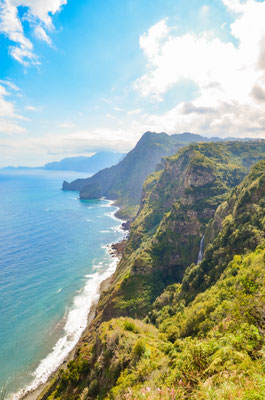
{"points": [[52, 259]]}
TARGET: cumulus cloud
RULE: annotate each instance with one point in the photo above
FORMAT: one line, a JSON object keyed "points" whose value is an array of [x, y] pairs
{"points": [[229, 75], [39, 15]]}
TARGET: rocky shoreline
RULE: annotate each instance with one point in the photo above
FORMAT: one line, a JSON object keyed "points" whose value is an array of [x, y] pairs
{"points": [[45, 389]]}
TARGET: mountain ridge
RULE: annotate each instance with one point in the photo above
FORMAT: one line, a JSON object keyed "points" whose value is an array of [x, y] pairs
{"points": [[166, 327], [90, 164], [123, 182]]}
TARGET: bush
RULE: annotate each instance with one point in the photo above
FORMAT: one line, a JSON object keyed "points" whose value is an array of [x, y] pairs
{"points": [[139, 348], [130, 326], [93, 389]]}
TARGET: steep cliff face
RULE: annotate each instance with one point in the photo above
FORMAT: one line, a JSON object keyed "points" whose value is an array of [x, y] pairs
{"points": [[238, 227], [235, 234], [204, 336], [177, 204], [123, 182], [198, 177]]}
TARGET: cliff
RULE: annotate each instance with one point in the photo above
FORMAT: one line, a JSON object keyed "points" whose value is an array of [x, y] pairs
{"points": [[123, 182], [177, 204], [203, 330]]}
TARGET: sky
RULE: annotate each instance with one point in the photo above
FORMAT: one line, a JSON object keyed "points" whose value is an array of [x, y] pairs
{"points": [[79, 76]]}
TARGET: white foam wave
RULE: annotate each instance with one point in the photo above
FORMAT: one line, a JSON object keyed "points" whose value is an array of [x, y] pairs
{"points": [[89, 276], [75, 321], [98, 266], [112, 215], [75, 324], [117, 229]]}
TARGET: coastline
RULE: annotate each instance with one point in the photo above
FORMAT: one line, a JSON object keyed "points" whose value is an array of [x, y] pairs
{"points": [[114, 249], [41, 390]]}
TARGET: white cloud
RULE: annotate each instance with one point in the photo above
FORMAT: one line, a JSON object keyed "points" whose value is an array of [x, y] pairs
{"points": [[67, 125], [230, 78], [11, 85], [204, 11], [8, 116], [31, 108], [134, 112], [41, 34], [39, 15], [38, 150]]}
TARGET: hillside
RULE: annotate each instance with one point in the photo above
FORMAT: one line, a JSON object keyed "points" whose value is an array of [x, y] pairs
{"points": [[123, 182], [177, 204], [167, 328]]}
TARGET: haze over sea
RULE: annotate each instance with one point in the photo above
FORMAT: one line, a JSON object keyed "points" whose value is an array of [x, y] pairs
{"points": [[52, 260]]}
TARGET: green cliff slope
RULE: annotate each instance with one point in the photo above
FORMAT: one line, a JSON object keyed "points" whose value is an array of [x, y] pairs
{"points": [[123, 182], [177, 204], [198, 330]]}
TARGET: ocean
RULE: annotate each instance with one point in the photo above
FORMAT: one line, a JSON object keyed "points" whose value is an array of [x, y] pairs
{"points": [[53, 257]]}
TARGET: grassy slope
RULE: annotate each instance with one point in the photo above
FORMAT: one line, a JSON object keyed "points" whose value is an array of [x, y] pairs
{"points": [[203, 338], [213, 348], [178, 202]]}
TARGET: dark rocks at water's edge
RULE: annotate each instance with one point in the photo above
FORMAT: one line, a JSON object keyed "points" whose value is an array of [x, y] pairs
{"points": [[126, 226], [117, 249]]}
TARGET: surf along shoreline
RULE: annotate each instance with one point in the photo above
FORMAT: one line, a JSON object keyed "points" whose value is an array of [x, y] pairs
{"points": [[43, 390]]}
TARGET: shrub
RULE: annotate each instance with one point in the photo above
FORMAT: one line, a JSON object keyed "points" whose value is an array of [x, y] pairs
{"points": [[130, 326], [139, 348]]}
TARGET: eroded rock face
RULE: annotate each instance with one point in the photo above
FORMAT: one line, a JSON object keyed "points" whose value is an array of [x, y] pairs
{"points": [[199, 177], [177, 204]]}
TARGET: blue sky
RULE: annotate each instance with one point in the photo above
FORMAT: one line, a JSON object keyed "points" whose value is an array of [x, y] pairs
{"points": [[77, 76]]}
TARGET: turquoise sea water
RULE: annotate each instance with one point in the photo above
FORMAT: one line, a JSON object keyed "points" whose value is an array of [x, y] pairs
{"points": [[52, 260]]}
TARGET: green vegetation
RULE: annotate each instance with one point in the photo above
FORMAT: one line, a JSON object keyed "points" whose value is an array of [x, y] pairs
{"points": [[92, 191], [123, 182], [211, 349], [170, 329], [177, 205]]}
